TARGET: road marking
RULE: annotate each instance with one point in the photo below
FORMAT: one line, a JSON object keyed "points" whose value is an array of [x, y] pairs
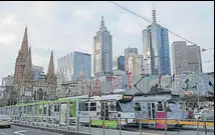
{"points": [[20, 132], [1, 133]]}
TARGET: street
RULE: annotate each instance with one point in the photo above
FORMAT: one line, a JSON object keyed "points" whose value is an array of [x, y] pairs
{"points": [[16, 130]]}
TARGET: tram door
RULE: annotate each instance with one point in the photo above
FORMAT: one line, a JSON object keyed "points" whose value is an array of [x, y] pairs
{"points": [[63, 113], [104, 110], [151, 110]]}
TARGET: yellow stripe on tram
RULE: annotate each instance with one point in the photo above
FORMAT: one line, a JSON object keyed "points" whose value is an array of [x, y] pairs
{"points": [[209, 124]]}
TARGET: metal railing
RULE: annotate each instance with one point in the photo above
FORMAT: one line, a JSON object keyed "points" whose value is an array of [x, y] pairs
{"points": [[106, 125]]}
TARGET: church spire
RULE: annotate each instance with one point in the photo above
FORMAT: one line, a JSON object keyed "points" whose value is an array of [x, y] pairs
{"points": [[24, 47], [51, 77], [51, 64], [29, 55]]}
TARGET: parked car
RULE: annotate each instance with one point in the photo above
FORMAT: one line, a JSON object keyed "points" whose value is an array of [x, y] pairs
{"points": [[5, 121], [204, 114]]}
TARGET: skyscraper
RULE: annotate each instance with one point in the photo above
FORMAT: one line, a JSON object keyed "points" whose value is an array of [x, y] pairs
{"points": [[82, 65], [127, 52], [186, 57], [119, 63], [71, 66], [102, 51], [194, 58], [179, 57], [156, 49], [135, 63]]}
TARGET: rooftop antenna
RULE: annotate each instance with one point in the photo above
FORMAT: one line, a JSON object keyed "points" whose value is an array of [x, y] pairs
{"points": [[153, 12]]}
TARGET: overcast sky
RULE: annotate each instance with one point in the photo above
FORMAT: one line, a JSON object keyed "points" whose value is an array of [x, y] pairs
{"points": [[68, 26]]}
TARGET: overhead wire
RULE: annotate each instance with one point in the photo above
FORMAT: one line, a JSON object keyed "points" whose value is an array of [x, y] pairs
{"points": [[148, 20]]}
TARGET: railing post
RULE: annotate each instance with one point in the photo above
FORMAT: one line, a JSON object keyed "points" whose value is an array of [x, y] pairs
{"points": [[178, 126], [89, 124], [205, 125], [198, 126], [165, 126], [140, 127], [103, 125], [120, 128], [77, 124]]}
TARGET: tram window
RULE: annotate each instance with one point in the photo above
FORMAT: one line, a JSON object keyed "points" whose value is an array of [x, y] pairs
{"points": [[160, 106], [25, 109], [118, 108], [92, 106], [137, 107], [86, 107], [57, 108], [44, 110], [83, 106], [112, 106]]}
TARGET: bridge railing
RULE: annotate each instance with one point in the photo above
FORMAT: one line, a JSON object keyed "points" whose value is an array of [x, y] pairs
{"points": [[88, 124]]}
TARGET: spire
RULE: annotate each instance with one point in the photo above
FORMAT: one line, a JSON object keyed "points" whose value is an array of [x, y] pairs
{"points": [[28, 68], [51, 64], [24, 47], [153, 12], [29, 55], [102, 22], [102, 27]]}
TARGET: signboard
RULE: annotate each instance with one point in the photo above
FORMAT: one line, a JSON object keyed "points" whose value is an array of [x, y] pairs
{"points": [[130, 80], [107, 123], [160, 124]]}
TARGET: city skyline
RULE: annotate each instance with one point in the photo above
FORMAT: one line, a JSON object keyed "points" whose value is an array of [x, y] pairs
{"points": [[64, 34]]}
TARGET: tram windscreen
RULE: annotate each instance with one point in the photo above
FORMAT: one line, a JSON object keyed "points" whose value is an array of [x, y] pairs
{"points": [[127, 107]]}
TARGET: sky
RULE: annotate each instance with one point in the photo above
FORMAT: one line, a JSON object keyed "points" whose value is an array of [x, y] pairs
{"points": [[69, 26]]}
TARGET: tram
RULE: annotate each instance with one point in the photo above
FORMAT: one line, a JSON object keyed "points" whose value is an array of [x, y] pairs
{"points": [[98, 110], [155, 107]]}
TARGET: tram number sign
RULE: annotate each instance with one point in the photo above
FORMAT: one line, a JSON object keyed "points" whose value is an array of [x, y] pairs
{"points": [[127, 97]]}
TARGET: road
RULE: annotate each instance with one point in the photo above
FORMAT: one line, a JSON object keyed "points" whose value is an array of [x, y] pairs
{"points": [[16, 130]]}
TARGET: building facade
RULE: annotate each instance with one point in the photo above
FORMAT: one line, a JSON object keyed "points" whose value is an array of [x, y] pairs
{"points": [[102, 51], [156, 49], [186, 58], [37, 70], [179, 57], [194, 58], [135, 64], [73, 65], [119, 63], [127, 52], [25, 87]]}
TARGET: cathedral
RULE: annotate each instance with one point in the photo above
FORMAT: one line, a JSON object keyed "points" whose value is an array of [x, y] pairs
{"points": [[25, 87]]}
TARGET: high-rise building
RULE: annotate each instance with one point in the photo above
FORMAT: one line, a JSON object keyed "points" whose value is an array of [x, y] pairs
{"points": [[127, 52], [37, 70], [65, 68], [119, 63], [82, 65], [156, 49], [194, 58], [71, 66], [186, 58], [135, 64], [179, 57], [102, 51]]}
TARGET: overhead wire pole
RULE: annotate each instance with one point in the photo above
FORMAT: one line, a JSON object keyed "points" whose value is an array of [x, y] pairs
{"points": [[144, 18]]}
